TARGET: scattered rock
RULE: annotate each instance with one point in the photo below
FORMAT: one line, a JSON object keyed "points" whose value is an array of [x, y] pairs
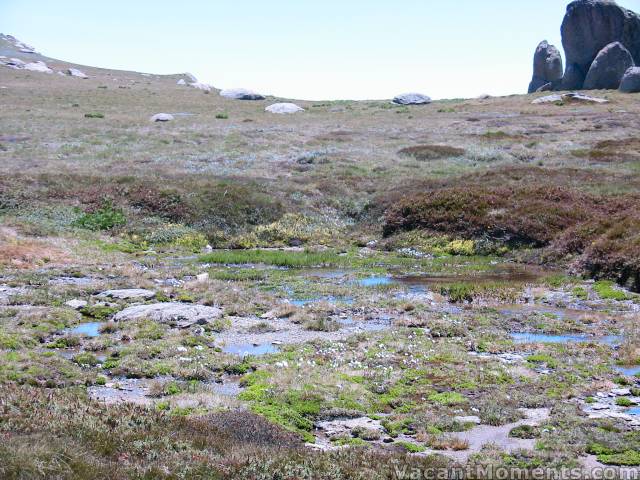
{"points": [[631, 81], [202, 277], [241, 94], [74, 72], [569, 97], [548, 99], [38, 66], [608, 68], [412, 99], [589, 26], [621, 392], [201, 86], [468, 419], [284, 108], [161, 117], [547, 68], [14, 63], [181, 314], [76, 304], [127, 293]]}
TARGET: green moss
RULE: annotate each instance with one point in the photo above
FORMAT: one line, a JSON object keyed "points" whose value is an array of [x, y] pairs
{"points": [[395, 428], [411, 447], [624, 402], [525, 431], [628, 458], [543, 358], [447, 398], [607, 291], [148, 329], [86, 359], [349, 441], [580, 292], [99, 312], [294, 410]]}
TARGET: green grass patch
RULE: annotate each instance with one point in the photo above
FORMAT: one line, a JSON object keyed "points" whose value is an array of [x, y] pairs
{"points": [[411, 447], [447, 398], [277, 258], [607, 291]]}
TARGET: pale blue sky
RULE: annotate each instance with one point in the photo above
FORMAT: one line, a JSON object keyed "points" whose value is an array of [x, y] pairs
{"points": [[328, 49]]}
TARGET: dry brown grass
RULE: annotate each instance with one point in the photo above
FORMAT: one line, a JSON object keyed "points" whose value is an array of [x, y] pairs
{"points": [[431, 152], [24, 253]]}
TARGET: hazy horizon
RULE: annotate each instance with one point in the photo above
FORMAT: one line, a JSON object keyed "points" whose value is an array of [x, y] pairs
{"points": [[328, 51]]}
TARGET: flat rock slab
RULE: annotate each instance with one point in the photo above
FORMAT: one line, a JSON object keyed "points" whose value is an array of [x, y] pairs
{"points": [[569, 97], [76, 304], [127, 293], [182, 315], [74, 72], [161, 117], [37, 67], [284, 108], [412, 99]]}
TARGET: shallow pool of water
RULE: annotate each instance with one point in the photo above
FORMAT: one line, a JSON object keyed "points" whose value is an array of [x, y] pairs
{"points": [[565, 338], [245, 349], [633, 411], [228, 388], [629, 371], [376, 281], [420, 283], [90, 329], [301, 302]]}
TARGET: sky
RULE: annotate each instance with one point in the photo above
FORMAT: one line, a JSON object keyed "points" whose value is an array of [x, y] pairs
{"points": [[303, 49]]}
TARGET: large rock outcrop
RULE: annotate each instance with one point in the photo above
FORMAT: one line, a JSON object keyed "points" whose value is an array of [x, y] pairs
{"points": [[587, 28], [631, 81], [547, 67], [608, 68]]}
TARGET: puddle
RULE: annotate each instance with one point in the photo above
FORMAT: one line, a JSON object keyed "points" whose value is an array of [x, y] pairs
{"points": [[228, 388], [246, 349], [301, 302], [566, 338], [376, 281], [629, 371], [375, 325], [91, 329], [120, 391], [420, 283], [77, 281], [633, 411]]}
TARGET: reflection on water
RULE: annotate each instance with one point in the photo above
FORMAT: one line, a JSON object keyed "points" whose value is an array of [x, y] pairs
{"points": [[245, 349], [564, 338], [90, 329]]}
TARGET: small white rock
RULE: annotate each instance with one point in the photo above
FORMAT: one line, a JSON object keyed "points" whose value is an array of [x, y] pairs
{"points": [[74, 72], [161, 117], [38, 66], [76, 304], [201, 86], [284, 108], [202, 277]]}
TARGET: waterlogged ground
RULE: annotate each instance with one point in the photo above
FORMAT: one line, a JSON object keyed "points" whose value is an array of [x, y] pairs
{"points": [[384, 286], [475, 359]]}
